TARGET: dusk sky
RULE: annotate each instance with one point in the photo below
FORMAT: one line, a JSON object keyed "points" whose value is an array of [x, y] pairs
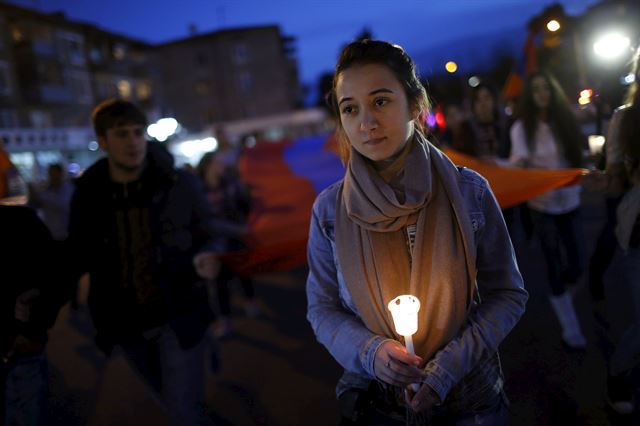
{"points": [[430, 30]]}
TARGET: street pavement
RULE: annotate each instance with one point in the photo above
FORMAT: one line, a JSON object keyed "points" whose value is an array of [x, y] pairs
{"points": [[273, 372]]}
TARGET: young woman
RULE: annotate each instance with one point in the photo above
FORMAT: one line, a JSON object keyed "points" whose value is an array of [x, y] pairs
{"points": [[230, 202], [405, 220], [547, 136], [488, 135]]}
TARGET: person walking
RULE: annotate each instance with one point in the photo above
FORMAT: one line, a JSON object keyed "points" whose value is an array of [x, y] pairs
{"points": [[546, 135]]}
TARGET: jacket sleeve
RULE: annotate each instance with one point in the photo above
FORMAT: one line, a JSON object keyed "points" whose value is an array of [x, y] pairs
{"points": [[503, 300], [335, 327], [77, 247]]}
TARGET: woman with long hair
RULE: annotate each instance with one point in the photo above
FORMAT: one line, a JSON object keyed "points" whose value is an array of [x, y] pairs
{"points": [[547, 136], [405, 220]]}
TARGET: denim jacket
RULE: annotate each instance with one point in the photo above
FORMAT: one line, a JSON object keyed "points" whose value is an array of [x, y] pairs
{"points": [[472, 354]]}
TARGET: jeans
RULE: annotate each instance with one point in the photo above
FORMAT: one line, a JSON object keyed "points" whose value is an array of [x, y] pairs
{"points": [[627, 352], [26, 391], [177, 374], [561, 243]]}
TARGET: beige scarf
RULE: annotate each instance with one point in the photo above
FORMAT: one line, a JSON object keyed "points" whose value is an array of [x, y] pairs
{"points": [[372, 249]]}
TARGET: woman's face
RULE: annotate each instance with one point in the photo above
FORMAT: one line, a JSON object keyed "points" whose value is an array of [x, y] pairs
{"points": [[484, 106], [541, 92], [374, 110], [213, 172]]}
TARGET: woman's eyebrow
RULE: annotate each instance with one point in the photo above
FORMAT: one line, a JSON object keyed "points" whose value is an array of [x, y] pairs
{"points": [[373, 92]]}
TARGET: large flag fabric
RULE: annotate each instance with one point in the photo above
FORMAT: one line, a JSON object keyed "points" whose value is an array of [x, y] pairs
{"points": [[513, 185], [285, 177]]}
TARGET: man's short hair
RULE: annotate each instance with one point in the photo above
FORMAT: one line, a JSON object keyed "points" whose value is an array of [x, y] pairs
{"points": [[114, 113]]}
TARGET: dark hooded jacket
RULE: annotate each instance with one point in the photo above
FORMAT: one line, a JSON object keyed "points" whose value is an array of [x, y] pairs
{"points": [[137, 242]]}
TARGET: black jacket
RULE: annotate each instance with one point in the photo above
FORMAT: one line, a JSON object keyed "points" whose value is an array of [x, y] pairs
{"points": [[27, 262], [180, 226]]}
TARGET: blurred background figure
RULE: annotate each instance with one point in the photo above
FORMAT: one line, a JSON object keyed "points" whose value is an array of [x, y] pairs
{"points": [[28, 275], [11, 183], [230, 202], [489, 127], [547, 135], [53, 201], [622, 181], [456, 132]]}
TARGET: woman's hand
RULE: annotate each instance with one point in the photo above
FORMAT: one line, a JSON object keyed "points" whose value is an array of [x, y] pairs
{"points": [[423, 400], [395, 366]]}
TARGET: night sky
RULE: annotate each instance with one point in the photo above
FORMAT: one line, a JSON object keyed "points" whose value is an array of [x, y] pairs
{"points": [[432, 31]]}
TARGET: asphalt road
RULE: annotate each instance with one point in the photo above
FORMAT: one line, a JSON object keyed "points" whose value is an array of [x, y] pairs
{"points": [[275, 373]]}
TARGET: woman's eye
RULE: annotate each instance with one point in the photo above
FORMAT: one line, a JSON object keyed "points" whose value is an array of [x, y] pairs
{"points": [[347, 109], [381, 101]]}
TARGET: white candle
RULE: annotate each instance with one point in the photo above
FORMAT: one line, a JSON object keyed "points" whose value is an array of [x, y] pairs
{"points": [[404, 310], [596, 142]]}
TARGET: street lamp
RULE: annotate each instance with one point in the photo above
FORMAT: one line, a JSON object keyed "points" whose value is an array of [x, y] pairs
{"points": [[553, 25], [451, 67]]}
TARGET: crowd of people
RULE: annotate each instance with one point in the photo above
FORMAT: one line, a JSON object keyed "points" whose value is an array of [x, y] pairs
{"points": [[149, 237]]}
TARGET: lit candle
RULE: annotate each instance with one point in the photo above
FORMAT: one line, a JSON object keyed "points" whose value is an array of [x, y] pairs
{"points": [[596, 142], [404, 310]]}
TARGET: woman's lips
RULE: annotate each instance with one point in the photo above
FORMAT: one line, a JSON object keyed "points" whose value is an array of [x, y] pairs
{"points": [[374, 141]]}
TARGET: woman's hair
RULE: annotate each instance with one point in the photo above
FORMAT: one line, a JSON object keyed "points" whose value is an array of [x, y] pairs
{"points": [[561, 119], [630, 123], [203, 164], [366, 52]]}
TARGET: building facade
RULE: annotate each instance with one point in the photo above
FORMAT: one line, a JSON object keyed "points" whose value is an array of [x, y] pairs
{"points": [[228, 75]]}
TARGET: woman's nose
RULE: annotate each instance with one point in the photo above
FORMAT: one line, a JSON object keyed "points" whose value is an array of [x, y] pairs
{"points": [[369, 121]]}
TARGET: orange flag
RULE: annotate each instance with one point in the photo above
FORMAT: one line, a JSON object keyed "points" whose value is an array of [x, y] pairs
{"points": [[513, 186]]}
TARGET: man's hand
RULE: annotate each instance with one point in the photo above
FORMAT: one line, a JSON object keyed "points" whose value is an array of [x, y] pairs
{"points": [[423, 400], [24, 301], [207, 265], [395, 366], [596, 181]]}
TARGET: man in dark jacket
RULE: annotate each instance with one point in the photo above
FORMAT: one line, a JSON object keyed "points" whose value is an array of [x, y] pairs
{"points": [[141, 229]]}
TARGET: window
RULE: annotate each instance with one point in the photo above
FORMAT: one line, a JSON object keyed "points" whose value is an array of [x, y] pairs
{"points": [[40, 119], [6, 119], [51, 73], [202, 88], [201, 59], [240, 53], [143, 90], [96, 55], [124, 89], [79, 82], [246, 82], [17, 34], [5, 82], [119, 51]]}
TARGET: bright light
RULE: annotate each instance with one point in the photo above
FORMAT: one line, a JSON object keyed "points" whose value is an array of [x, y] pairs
{"points": [[596, 143], [584, 101], [628, 79], [451, 67], [93, 146], [192, 148], [474, 81], [163, 129], [611, 46], [553, 25], [431, 120], [586, 93]]}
